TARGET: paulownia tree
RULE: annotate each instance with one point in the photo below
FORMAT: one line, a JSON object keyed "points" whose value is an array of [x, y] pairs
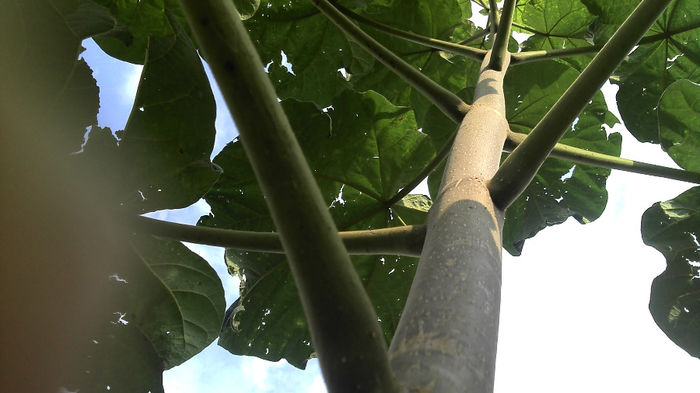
{"points": [[343, 108]]}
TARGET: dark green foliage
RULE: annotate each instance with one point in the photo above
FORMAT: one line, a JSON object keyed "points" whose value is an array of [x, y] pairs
{"points": [[171, 306], [561, 189], [268, 320], [672, 228]]}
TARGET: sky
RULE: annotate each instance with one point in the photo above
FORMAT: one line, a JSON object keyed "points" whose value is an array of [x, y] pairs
{"points": [[574, 313]]}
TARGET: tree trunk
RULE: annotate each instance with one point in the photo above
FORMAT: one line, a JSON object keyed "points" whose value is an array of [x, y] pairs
{"points": [[446, 339]]}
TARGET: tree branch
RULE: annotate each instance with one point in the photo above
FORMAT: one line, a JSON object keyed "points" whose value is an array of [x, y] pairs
{"points": [[493, 16], [500, 44], [448, 102], [546, 54], [344, 328], [518, 170], [404, 240], [583, 156], [481, 3], [537, 55], [474, 37], [462, 50]]}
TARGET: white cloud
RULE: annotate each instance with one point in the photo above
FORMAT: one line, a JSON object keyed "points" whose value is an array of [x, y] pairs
{"points": [[317, 386], [256, 371]]}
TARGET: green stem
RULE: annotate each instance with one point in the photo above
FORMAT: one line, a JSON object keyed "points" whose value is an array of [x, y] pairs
{"points": [[462, 50], [344, 330], [518, 170], [448, 102], [500, 44], [474, 37], [404, 240], [493, 16], [538, 55], [482, 4], [582, 156]]}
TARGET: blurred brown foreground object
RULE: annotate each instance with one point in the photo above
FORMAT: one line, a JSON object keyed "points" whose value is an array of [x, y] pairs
{"points": [[58, 250]]}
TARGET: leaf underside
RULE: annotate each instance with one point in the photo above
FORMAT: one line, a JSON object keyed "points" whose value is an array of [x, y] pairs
{"points": [[673, 228]]}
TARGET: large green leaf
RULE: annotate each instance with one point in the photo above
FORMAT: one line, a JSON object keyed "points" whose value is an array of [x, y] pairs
{"points": [[555, 25], [673, 54], [679, 123], [362, 152], [172, 306], [268, 321], [364, 144], [673, 228], [161, 160], [436, 20], [609, 16], [136, 21], [561, 189], [121, 360], [313, 48]]}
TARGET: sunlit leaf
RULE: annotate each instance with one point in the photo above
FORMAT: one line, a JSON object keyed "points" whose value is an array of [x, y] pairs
{"points": [[679, 123], [555, 25], [670, 53]]}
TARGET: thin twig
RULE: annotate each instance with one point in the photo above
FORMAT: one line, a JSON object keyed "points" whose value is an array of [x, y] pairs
{"points": [[601, 160], [546, 54], [500, 44], [448, 102], [458, 49], [404, 240]]}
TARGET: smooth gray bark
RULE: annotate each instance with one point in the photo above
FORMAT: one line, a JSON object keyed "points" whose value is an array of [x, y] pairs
{"points": [[446, 339]]}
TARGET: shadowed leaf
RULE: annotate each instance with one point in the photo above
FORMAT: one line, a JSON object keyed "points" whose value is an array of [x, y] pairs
{"points": [[673, 228]]}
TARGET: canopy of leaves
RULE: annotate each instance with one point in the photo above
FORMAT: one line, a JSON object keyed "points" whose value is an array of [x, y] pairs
{"points": [[267, 321], [366, 134], [669, 52]]}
